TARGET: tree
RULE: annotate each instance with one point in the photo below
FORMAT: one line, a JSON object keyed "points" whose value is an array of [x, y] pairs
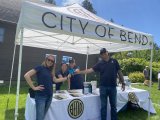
{"points": [[112, 20], [146, 54], [88, 5]]}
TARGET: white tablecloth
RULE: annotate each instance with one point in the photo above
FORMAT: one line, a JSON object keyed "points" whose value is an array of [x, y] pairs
{"points": [[59, 108]]}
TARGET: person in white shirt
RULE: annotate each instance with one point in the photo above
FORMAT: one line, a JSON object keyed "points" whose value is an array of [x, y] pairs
{"points": [[159, 80]]}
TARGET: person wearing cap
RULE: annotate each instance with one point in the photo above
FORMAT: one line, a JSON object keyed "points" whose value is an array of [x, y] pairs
{"points": [[43, 90], [159, 80], [146, 73], [109, 69], [63, 72], [76, 80]]}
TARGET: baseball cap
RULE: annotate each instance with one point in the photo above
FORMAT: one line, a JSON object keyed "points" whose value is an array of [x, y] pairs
{"points": [[71, 60], [103, 50]]}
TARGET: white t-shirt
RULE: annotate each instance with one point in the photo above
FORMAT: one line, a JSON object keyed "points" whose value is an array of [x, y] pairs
{"points": [[158, 75]]}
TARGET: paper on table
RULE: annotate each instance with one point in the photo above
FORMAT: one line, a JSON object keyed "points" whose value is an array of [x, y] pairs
{"points": [[76, 94], [60, 96]]}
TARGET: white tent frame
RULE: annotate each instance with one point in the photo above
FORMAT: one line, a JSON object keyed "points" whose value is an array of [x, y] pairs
{"points": [[21, 43]]}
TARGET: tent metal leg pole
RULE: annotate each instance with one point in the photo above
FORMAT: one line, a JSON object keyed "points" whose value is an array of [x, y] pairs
{"points": [[19, 74], [87, 62], [10, 81], [150, 84]]}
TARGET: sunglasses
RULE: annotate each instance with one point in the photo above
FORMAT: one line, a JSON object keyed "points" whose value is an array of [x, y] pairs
{"points": [[49, 60]]}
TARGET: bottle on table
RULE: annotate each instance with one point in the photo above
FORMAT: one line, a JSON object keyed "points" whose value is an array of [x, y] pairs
{"points": [[54, 88]]}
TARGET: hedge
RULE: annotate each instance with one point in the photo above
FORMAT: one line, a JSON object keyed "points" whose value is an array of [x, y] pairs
{"points": [[132, 65], [136, 77]]}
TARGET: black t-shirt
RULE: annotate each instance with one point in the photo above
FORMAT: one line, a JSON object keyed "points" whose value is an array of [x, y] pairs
{"points": [[65, 74], [76, 80], [108, 72], [44, 77]]}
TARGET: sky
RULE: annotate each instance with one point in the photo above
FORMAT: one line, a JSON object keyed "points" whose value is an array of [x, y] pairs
{"points": [[141, 15]]}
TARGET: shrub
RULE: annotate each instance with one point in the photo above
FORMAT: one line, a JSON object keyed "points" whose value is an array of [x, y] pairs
{"points": [[132, 65], [137, 65], [136, 77]]}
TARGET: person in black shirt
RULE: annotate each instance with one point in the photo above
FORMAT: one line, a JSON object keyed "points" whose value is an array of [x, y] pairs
{"points": [[159, 80], [43, 90], [61, 74], [146, 73], [109, 69], [76, 80]]}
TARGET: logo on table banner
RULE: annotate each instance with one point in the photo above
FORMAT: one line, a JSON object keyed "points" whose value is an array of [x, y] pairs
{"points": [[75, 108]]}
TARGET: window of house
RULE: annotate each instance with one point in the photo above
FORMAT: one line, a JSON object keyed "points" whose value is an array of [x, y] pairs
{"points": [[65, 59], [1, 35]]}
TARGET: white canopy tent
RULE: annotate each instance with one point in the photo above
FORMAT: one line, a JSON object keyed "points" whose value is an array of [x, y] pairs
{"points": [[73, 29]]}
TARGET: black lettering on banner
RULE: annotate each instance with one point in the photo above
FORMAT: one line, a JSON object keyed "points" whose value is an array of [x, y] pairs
{"points": [[137, 39], [123, 35], [61, 22], [129, 37], [43, 19], [144, 40], [83, 27], [71, 19], [104, 30], [109, 32]]}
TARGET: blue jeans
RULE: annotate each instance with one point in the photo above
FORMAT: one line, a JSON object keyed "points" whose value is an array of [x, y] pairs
{"points": [[110, 92], [42, 106]]}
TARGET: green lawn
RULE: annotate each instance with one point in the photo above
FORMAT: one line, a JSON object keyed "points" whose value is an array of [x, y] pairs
{"points": [[8, 114], [141, 114]]}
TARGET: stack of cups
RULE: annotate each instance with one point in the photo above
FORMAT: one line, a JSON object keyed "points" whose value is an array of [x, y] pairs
{"points": [[94, 86]]}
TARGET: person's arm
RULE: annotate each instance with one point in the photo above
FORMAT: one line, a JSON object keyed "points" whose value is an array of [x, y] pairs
{"points": [[28, 78], [68, 79], [60, 76], [57, 80], [86, 71], [121, 79], [69, 83]]}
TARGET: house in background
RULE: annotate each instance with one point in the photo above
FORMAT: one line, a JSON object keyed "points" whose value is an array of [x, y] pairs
{"points": [[9, 15]]}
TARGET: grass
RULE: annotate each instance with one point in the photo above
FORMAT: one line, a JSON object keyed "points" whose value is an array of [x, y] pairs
{"points": [[8, 113], [140, 114]]}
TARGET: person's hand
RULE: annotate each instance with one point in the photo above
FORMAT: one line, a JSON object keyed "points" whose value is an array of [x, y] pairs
{"points": [[77, 72], [40, 88], [123, 87], [69, 76]]}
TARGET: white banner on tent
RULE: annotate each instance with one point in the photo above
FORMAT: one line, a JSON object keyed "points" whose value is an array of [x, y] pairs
{"points": [[76, 21]]}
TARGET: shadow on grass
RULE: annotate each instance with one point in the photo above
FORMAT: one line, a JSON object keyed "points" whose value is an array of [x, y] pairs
{"points": [[4, 89], [138, 114], [9, 114]]}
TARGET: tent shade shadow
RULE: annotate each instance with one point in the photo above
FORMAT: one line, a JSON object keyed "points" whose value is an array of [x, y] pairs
{"points": [[9, 114]]}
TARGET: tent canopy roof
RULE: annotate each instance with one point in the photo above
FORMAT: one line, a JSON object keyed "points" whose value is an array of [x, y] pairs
{"points": [[74, 29]]}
